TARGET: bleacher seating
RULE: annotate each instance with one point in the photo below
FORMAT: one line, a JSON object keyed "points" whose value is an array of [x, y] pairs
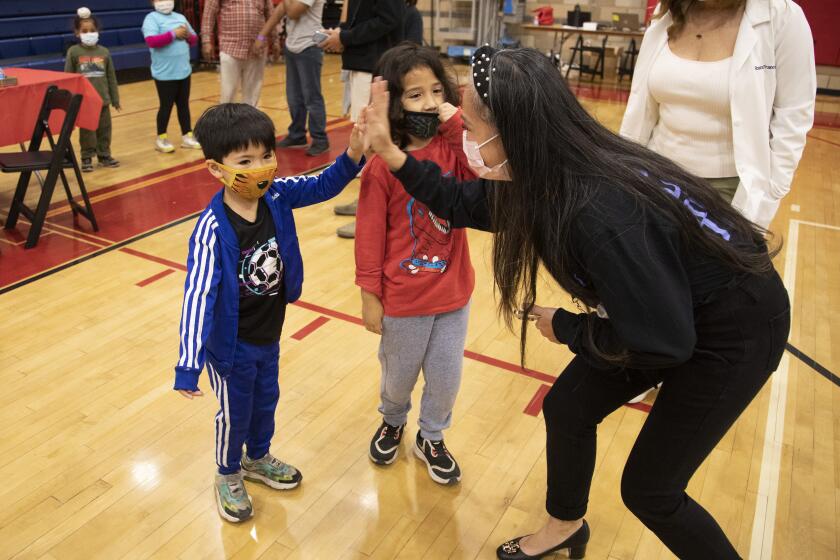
{"points": [[36, 34]]}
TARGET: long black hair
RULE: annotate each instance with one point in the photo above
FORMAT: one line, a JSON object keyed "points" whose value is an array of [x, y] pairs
{"points": [[559, 156], [398, 61]]}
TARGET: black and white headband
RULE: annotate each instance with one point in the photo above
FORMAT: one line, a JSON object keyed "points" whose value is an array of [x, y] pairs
{"points": [[482, 70]]}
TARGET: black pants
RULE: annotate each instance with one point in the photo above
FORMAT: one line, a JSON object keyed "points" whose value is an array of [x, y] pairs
{"points": [[171, 92], [741, 334]]}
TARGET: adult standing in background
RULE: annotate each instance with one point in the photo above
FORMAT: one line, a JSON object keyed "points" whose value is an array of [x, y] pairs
{"points": [[304, 60], [369, 28], [413, 27], [726, 88], [239, 24]]}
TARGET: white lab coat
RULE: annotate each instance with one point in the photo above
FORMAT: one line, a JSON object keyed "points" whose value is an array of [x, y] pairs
{"points": [[772, 91]]}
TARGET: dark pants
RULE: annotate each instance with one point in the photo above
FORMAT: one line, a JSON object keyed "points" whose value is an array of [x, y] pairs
{"points": [[303, 94], [741, 334], [248, 397], [97, 142], [173, 92]]}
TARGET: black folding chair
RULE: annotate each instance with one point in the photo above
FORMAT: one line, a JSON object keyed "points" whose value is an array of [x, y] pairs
{"points": [[61, 157]]}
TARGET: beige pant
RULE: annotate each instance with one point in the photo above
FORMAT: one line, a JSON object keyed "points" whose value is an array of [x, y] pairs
{"points": [[235, 72], [726, 187], [359, 92]]}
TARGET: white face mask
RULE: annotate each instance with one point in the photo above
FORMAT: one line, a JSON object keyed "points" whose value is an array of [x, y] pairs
{"points": [[89, 39], [473, 151], [165, 6]]}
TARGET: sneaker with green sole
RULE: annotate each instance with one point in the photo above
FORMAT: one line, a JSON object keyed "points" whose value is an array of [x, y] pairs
{"points": [[271, 471], [232, 499]]}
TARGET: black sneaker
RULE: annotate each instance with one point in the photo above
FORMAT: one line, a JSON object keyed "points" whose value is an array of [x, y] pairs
{"points": [[385, 444], [87, 165], [108, 161], [441, 464], [289, 142], [318, 148]]}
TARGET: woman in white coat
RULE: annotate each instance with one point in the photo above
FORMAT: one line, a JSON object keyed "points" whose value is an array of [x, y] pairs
{"points": [[726, 88]]}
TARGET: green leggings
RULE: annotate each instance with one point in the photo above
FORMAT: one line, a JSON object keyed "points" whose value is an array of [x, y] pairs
{"points": [[97, 142]]}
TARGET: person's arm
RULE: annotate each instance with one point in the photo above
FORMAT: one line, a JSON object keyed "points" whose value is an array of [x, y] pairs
{"points": [[208, 23], [113, 90], [152, 34], [307, 190], [642, 111], [389, 16], [463, 204], [192, 38], [371, 230], [267, 29], [638, 274], [793, 111], [297, 8], [200, 292], [452, 131], [70, 62]]}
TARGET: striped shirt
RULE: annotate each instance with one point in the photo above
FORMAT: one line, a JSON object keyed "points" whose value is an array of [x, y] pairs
{"points": [[239, 23]]}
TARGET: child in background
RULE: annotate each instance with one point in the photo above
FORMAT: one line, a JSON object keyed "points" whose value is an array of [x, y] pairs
{"points": [[93, 61], [413, 268], [243, 268], [169, 37]]}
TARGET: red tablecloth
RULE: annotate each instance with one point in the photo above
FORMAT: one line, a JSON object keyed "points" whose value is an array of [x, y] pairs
{"points": [[19, 105]]}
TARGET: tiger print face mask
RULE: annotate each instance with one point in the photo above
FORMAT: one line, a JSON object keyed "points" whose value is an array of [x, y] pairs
{"points": [[248, 183]]}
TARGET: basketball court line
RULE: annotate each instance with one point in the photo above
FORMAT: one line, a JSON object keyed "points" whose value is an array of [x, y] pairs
{"points": [[162, 274], [764, 521]]}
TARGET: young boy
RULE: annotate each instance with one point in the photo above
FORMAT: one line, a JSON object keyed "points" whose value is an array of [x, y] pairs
{"points": [[243, 267]]}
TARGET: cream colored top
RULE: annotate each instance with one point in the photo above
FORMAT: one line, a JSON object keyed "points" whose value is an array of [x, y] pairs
{"points": [[695, 120]]}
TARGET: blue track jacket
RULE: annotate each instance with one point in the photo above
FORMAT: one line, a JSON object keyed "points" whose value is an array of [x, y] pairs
{"points": [[210, 315]]}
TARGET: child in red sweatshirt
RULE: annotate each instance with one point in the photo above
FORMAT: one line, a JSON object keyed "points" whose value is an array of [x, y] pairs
{"points": [[413, 268]]}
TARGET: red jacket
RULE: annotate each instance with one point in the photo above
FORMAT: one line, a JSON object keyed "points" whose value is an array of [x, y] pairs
{"points": [[406, 255]]}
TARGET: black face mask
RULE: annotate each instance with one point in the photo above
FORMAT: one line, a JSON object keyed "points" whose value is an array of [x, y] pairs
{"points": [[421, 125]]}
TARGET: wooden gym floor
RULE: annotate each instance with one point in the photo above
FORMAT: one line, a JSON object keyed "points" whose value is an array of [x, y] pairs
{"points": [[99, 458]]}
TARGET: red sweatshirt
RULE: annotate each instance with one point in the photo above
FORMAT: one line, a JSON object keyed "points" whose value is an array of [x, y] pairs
{"points": [[406, 255]]}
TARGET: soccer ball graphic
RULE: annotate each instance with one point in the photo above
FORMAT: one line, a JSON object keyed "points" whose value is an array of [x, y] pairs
{"points": [[264, 269]]}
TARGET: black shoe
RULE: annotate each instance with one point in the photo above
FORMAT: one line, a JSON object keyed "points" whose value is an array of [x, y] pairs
{"points": [[441, 464], [318, 148], [385, 445], [289, 142], [87, 165], [108, 161], [576, 545]]}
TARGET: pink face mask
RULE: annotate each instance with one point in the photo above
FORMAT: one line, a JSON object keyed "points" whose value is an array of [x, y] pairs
{"points": [[473, 151]]}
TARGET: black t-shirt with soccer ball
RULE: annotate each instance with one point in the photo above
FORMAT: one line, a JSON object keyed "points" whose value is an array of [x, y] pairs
{"points": [[262, 305]]}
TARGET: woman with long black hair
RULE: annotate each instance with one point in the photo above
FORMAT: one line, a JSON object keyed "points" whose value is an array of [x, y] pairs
{"points": [[678, 288]]}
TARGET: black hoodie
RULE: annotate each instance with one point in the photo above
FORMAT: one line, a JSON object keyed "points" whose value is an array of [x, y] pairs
{"points": [[372, 27]]}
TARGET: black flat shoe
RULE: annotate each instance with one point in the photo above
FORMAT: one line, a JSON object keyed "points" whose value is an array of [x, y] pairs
{"points": [[575, 543]]}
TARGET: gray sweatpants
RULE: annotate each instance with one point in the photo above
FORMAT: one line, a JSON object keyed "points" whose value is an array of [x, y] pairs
{"points": [[435, 343]]}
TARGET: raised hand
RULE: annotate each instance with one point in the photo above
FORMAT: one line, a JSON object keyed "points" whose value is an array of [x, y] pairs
{"points": [[378, 127], [446, 111]]}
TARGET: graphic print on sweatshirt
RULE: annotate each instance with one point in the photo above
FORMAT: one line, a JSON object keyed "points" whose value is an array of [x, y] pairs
{"points": [[432, 237], [260, 270], [92, 66]]}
